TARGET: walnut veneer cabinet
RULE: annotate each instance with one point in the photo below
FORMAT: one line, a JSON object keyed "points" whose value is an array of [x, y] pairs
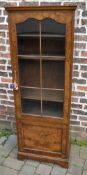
{"points": [[41, 41]]}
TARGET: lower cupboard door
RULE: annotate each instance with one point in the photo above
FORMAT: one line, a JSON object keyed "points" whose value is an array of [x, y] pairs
{"points": [[44, 139]]}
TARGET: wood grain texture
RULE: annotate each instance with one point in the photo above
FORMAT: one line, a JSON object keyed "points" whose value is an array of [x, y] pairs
{"points": [[43, 138]]}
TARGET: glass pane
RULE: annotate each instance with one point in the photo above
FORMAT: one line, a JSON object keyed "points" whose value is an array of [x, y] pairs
{"points": [[53, 38], [29, 71], [29, 66], [54, 109], [29, 74], [28, 37], [53, 74], [54, 95], [53, 55], [31, 107], [53, 88]]}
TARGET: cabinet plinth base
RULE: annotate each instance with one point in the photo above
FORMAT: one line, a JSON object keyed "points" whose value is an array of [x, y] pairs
{"points": [[62, 162]]}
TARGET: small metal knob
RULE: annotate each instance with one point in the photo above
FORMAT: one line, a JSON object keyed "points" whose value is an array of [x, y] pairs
{"points": [[14, 86]]}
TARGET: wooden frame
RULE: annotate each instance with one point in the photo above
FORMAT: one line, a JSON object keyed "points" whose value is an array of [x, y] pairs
{"points": [[28, 128]]}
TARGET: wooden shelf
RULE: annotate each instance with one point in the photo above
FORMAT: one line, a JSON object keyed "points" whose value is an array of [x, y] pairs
{"points": [[33, 107], [45, 57], [52, 95], [31, 87], [30, 93], [47, 94], [28, 35], [42, 35]]}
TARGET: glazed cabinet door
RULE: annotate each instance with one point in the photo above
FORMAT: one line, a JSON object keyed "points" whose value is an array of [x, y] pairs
{"points": [[41, 65]]}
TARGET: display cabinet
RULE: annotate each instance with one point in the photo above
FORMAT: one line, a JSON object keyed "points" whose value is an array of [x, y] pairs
{"points": [[41, 41]]}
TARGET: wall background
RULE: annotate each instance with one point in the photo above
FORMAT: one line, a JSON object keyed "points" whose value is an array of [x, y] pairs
{"points": [[79, 78]]}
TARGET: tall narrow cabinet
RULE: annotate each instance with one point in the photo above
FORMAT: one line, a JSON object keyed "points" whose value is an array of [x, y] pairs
{"points": [[41, 41]]}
